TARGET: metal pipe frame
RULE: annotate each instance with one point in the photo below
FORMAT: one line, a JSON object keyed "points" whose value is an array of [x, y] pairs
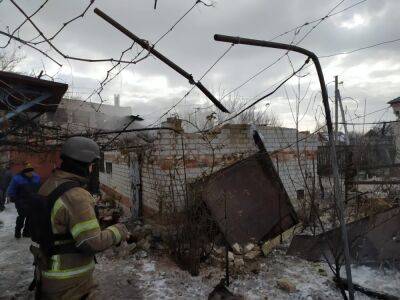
{"points": [[335, 169]]}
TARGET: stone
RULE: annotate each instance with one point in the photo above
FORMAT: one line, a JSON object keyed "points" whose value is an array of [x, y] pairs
{"points": [[275, 243], [248, 247], [285, 285], [219, 251], [252, 254], [137, 228], [239, 263], [131, 247], [147, 228], [231, 257], [144, 244], [141, 254], [237, 249], [137, 234], [215, 260], [267, 248]]}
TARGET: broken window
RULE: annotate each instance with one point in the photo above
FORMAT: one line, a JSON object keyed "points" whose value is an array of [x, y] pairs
{"points": [[108, 168]]}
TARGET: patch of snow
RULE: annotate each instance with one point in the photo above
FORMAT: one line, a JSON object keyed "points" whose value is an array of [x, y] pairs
{"points": [[16, 270], [157, 277], [381, 280]]}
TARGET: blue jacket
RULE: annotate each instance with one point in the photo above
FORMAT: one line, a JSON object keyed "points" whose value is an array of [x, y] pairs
{"points": [[20, 184]]}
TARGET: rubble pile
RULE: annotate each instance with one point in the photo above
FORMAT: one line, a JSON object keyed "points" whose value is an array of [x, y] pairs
{"points": [[144, 239], [241, 258]]}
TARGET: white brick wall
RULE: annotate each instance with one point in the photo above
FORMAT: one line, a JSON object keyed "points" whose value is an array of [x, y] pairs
{"points": [[163, 177], [119, 180]]}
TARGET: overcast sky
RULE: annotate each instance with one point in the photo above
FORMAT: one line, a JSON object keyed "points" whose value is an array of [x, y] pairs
{"points": [[150, 87]]}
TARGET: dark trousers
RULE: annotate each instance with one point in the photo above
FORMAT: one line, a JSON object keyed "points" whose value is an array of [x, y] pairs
{"points": [[2, 199], [22, 220]]}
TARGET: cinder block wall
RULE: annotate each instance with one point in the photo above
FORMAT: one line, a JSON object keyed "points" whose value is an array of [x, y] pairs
{"points": [[163, 177]]}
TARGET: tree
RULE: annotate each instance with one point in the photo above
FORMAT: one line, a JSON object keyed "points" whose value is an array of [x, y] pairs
{"points": [[9, 60], [207, 118]]}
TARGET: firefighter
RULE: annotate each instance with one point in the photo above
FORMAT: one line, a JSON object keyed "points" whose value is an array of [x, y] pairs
{"points": [[22, 184], [69, 275]]}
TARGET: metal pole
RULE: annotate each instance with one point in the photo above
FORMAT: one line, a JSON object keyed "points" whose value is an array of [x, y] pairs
{"points": [[146, 45], [227, 280], [325, 100], [365, 112], [346, 132], [336, 109]]}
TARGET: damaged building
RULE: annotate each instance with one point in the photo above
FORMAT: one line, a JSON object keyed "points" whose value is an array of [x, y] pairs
{"points": [[72, 117], [151, 176]]}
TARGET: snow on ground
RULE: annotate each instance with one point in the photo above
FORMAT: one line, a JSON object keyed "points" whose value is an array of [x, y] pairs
{"points": [[16, 270], [157, 277], [382, 280]]}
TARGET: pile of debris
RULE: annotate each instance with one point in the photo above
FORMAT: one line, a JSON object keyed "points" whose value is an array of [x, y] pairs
{"points": [[249, 205], [144, 239], [240, 258]]}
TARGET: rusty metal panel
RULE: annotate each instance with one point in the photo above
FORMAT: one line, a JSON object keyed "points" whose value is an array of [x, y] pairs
{"points": [[252, 195], [373, 240], [307, 247]]}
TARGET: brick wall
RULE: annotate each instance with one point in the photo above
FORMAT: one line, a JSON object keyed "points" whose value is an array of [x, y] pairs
{"points": [[163, 177], [117, 182], [43, 163]]}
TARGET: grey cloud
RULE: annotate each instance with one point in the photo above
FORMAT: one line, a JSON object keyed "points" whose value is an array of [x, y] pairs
{"points": [[191, 45]]}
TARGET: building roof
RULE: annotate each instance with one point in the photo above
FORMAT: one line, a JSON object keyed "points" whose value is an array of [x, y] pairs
{"points": [[395, 100], [106, 109], [76, 113], [20, 89]]}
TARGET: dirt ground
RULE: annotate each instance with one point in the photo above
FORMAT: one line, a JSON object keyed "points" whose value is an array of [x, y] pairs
{"points": [[157, 277]]}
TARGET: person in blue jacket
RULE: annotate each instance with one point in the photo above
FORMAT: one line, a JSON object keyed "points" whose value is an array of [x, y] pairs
{"points": [[21, 186]]}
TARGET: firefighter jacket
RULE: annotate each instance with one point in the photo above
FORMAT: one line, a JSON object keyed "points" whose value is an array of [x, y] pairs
{"points": [[69, 276]]}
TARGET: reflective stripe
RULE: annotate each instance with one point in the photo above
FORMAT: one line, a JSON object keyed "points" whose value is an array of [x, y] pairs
{"points": [[56, 263], [68, 273], [116, 233], [57, 205], [77, 229]]}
